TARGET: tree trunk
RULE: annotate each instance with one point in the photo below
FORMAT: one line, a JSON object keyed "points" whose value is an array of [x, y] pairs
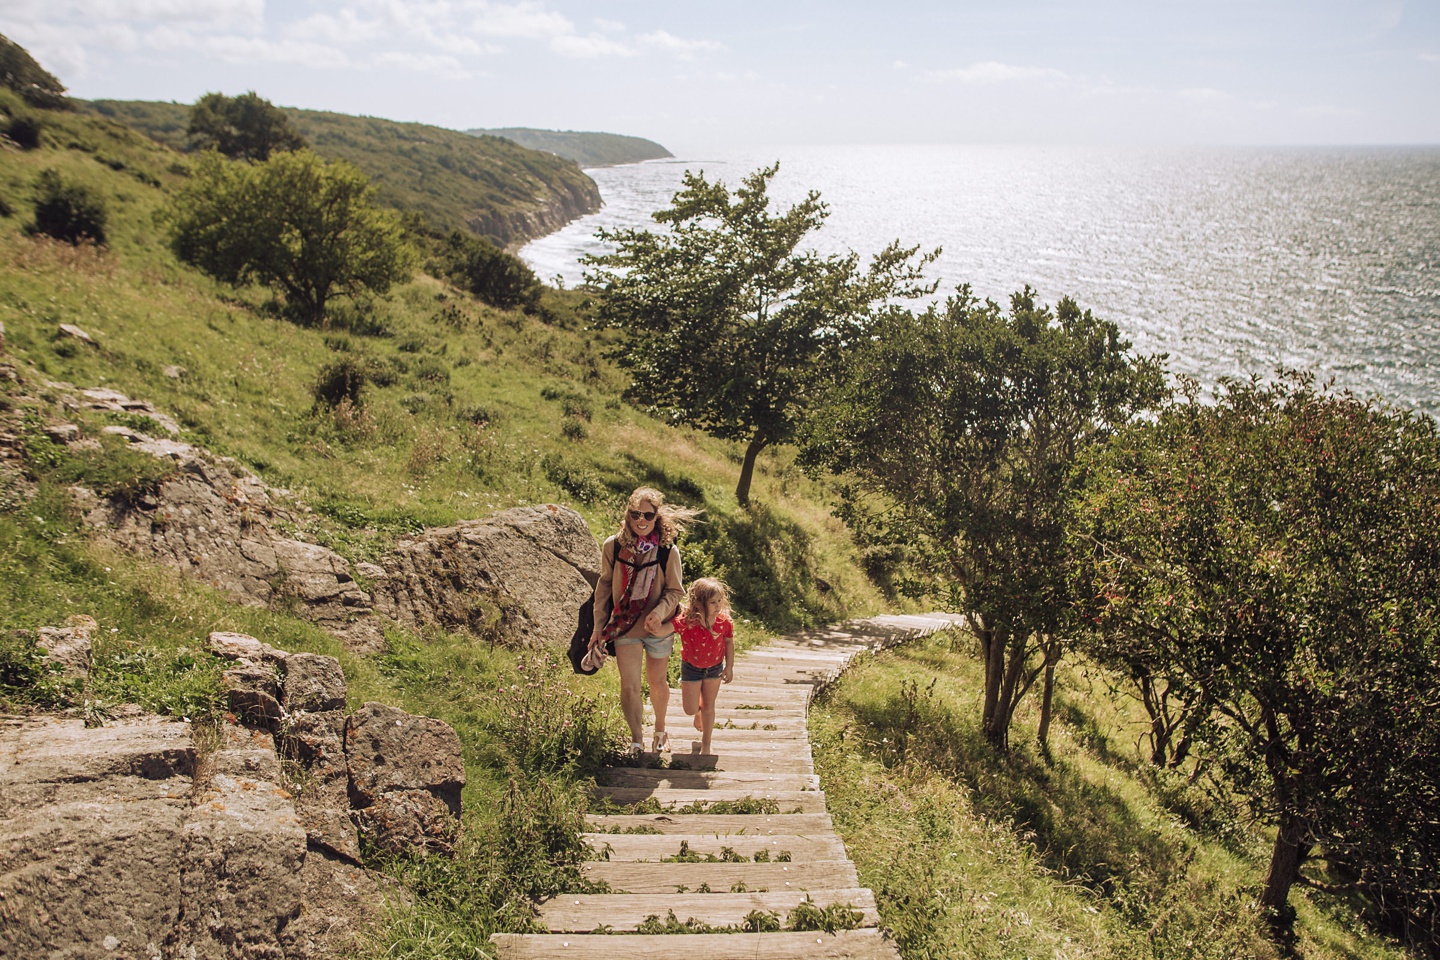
{"points": [[992, 648], [1044, 735], [1289, 852], [747, 469]]}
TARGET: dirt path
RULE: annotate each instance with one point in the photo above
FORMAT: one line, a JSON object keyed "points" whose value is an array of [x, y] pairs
{"points": [[708, 857]]}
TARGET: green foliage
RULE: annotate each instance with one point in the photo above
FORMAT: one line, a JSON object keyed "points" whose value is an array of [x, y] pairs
{"points": [[728, 324], [585, 149], [498, 278], [247, 127], [20, 72], [957, 428], [341, 382], [808, 915], [27, 677], [1276, 550], [68, 210], [453, 181], [305, 227], [546, 726], [23, 129]]}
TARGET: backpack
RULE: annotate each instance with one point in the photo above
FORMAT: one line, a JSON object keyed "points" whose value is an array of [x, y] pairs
{"points": [[585, 620]]}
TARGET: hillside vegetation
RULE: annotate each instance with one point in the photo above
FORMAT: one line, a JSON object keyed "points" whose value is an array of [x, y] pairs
{"points": [[489, 185], [461, 409], [586, 149]]}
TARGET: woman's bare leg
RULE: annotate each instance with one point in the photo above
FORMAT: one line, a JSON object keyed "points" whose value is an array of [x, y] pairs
{"points": [[656, 671], [627, 661]]}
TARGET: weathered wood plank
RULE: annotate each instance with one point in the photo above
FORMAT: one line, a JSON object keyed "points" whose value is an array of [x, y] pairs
{"points": [[574, 913], [865, 944], [656, 847], [707, 779], [719, 825], [788, 801], [629, 876]]}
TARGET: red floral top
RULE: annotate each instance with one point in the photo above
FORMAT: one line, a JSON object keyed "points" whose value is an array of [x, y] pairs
{"points": [[700, 647]]}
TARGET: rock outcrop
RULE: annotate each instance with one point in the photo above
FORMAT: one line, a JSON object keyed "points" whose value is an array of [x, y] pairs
{"points": [[135, 840], [537, 563]]}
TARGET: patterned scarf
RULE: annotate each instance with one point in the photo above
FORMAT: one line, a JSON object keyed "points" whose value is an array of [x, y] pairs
{"points": [[635, 584]]}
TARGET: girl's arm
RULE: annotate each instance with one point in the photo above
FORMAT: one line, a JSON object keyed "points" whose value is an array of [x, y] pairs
{"points": [[729, 673]]}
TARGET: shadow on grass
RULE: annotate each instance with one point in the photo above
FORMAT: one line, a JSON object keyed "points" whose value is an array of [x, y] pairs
{"points": [[1082, 830]]}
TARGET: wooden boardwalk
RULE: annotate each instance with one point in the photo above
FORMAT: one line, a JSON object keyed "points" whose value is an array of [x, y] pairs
{"points": [[722, 867]]}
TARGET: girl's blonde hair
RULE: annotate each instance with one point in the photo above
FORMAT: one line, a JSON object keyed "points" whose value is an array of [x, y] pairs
{"points": [[706, 590], [670, 520]]}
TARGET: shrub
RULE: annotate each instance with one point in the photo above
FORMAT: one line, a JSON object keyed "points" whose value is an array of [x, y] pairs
{"points": [[68, 211], [496, 277], [24, 130], [341, 381]]}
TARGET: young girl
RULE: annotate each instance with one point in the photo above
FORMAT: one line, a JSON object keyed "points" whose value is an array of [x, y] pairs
{"points": [[707, 652]]}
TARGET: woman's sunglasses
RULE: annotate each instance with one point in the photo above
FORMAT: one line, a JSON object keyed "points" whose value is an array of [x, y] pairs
{"points": [[642, 514]]}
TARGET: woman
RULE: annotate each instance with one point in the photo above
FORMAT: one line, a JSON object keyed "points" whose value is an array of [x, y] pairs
{"points": [[634, 602]]}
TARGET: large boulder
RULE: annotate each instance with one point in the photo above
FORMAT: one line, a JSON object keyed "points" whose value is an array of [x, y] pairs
{"points": [[536, 563], [406, 774]]}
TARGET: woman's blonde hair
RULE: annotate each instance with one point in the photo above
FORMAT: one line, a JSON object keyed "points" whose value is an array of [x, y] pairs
{"points": [[706, 590], [670, 520]]}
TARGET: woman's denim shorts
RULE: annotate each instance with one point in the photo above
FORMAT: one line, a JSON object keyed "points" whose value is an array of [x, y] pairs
{"points": [[656, 648], [689, 673]]}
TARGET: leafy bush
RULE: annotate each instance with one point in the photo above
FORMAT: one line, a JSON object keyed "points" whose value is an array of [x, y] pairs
{"points": [[24, 130], [584, 485], [545, 726], [341, 381], [20, 72], [27, 677], [247, 127], [68, 211], [496, 277]]}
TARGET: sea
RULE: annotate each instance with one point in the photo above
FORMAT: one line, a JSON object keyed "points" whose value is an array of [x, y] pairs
{"points": [[1231, 261]]}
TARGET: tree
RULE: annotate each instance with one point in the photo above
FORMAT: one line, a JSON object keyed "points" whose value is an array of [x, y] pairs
{"points": [[67, 210], [36, 85], [498, 278], [728, 324], [956, 430], [1276, 551], [247, 127], [304, 227]]}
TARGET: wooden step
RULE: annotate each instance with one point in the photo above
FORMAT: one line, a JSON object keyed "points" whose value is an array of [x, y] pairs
{"points": [[707, 779], [864, 944], [719, 825], [622, 912], [616, 847], [788, 801], [630, 876]]}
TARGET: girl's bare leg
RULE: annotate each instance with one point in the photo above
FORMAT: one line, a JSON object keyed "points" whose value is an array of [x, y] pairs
{"points": [[627, 661], [656, 670], [690, 700], [709, 690]]}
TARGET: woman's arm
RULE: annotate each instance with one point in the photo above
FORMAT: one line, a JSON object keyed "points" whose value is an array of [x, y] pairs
{"points": [[603, 597], [674, 587]]}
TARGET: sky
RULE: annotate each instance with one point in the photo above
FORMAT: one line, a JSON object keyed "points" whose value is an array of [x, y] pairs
{"points": [[695, 76]]}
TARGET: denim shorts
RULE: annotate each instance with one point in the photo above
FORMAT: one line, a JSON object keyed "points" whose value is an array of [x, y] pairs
{"points": [[656, 648], [689, 673]]}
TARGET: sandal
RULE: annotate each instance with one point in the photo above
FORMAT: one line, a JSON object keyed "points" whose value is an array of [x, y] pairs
{"points": [[635, 749], [662, 740]]}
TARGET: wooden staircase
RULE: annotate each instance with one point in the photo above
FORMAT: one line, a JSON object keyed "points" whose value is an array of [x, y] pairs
{"points": [[731, 865]]}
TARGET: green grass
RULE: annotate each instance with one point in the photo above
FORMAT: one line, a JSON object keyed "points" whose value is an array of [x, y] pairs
{"points": [[1078, 854]]}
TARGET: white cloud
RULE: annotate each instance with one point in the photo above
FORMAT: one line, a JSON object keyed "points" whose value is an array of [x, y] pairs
{"points": [[589, 47], [438, 64], [684, 49], [228, 13], [1204, 95], [526, 21], [1430, 57], [992, 71], [609, 26], [239, 49]]}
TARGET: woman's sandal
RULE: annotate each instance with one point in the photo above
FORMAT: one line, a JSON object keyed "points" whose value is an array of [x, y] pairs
{"points": [[636, 748], [662, 740]]}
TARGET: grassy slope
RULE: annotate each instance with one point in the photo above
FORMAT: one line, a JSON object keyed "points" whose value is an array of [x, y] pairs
{"points": [[586, 149], [452, 179], [970, 856], [1086, 854]]}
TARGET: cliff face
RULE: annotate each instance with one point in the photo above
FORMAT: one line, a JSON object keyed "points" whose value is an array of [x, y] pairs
{"points": [[568, 201]]}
